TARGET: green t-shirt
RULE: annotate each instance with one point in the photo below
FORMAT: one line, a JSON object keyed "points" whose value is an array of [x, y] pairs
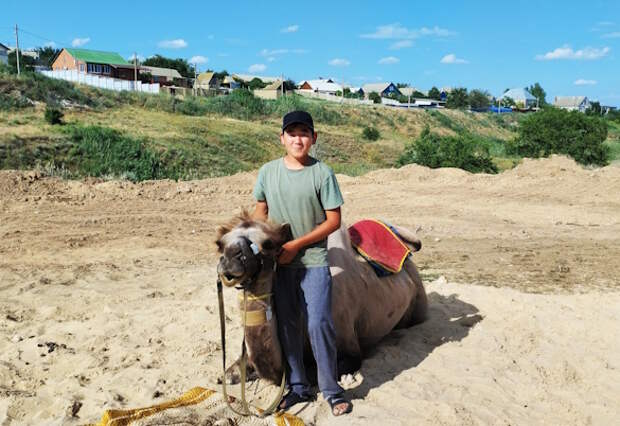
{"points": [[300, 198]]}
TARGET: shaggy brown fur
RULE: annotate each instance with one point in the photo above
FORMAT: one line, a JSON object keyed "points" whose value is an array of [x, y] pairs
{"points": [[365, 307]]}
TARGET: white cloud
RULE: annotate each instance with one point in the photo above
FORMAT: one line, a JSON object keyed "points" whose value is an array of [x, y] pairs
{"points": [[277, 52], [398, 32], [452, 59], [77, 42], [566, 52], [178, 43], [389, 60], [257, 68], [615, 34], [198, 59], [401, 44], [583, 82], [290, 29], [271, 58], [339, 62]]}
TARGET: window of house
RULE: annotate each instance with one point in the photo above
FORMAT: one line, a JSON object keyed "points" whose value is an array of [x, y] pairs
{"points": [[81, 67], [106, 69], [89, 67], [98, 68]]}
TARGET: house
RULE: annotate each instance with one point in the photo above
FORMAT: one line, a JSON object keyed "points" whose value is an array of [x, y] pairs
{"points": [[357, 91], [230, 83], [522, 97], [271, 91], [572, 103], [321, 85], [4, 54], [163, 76], [383, 89], [106, 64], [207, 80]]}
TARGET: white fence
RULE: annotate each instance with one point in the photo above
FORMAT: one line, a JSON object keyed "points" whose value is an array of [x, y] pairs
{"points": [[102, 82], [332, 98]]}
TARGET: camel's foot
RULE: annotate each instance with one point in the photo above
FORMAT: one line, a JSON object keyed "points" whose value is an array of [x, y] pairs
{"points": [[232, 374]]}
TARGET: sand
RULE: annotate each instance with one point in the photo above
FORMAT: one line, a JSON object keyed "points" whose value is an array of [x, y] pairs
{"points": [[107, 296]]}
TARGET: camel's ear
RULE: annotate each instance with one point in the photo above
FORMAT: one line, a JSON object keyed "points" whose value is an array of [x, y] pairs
{"points": [[220, 246], [285, 233]]}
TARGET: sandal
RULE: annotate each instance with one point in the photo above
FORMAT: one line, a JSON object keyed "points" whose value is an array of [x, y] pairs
{"points": [[293, 398], [336, 400]]}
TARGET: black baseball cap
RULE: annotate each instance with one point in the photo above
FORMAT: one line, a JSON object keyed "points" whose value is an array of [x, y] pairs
{"points": [[297, 117]]}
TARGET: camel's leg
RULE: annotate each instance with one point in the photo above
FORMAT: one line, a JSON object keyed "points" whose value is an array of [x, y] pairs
{"points": [[233, 373], [348, 364]]}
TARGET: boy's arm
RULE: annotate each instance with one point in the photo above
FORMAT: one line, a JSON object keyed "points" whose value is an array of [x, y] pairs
{"points": [[260, 211], [290, 249]]}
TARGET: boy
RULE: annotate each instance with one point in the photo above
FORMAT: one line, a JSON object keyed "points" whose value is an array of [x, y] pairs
{"points": [[299, 190]]}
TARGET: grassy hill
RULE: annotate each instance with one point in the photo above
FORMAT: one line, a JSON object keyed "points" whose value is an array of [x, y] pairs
{"points": [[202, 137]]}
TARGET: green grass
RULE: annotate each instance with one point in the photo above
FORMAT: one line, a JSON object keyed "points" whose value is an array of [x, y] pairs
{"points": [[197, 137]]}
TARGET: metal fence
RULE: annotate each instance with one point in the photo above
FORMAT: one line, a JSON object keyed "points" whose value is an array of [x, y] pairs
{"points": [[102, 82]]}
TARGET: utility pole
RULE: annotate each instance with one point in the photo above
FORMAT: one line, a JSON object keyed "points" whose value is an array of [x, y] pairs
{"points": [[17, 48], [135, 71]]}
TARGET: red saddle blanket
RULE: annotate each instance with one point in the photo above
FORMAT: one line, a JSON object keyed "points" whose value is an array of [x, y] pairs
{"points": [[379, 244]]}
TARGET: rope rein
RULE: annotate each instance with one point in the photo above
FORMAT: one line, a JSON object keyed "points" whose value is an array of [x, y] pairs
{"points": [[249, 319]]}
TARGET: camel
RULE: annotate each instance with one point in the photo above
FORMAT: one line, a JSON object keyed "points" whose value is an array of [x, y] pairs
{"points": [[365, 307]]}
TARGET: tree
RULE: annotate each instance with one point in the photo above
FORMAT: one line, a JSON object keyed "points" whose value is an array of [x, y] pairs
{"points": [[479, 100], [375, 97], [417, 94], [401, 85], [594, 109], [179, 64], [26, 63], [256, 83], [507, 101], [539, 93], [47, 55], [220, 76], [457, 98], [556, 131], [289, 85], [434, 93]]}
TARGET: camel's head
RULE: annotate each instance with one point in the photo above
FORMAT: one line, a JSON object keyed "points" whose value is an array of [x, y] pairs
{"points": [[246, 246]]}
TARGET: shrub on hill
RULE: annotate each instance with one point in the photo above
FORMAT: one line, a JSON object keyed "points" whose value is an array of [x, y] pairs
{"points": [[53, 115], [555, 131], [100, 151], [370, 133], [434, 151]]}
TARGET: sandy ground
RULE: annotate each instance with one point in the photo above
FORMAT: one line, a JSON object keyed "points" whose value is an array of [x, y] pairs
{"points": [[107, 296]]}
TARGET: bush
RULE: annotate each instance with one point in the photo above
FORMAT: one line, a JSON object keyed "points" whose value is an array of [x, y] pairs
{"points": [[434, 151], [101, 151], [374, 97], [53, 115], [371, 134], [555, 131]]}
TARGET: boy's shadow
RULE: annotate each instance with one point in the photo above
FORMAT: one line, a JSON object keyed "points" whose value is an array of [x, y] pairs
{"points": [[449, 319]]}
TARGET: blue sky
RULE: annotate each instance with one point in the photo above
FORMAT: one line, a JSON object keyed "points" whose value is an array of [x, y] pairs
{"points": [[570, 47]]}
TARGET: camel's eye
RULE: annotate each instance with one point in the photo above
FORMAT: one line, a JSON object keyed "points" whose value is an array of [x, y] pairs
{"points": [[268, 245], [220, 246]]}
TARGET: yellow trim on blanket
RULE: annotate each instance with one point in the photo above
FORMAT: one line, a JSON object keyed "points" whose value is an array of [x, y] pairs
{"points": [[192, 397], [367, 256], [254, 318]]}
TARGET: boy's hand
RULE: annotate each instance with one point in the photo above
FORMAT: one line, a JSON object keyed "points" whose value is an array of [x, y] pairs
{"points": [[288, 253]]}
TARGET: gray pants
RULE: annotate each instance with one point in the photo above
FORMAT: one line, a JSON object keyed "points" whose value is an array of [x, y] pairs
{"points": [[303, 297]]}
